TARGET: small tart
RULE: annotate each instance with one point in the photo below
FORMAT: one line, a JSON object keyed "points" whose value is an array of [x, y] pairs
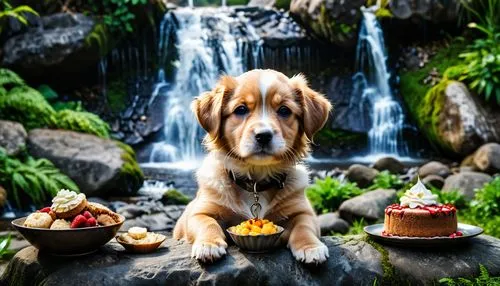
{"points": [[105, 220], [137, 232], [38, 220], [147, 244], [60, 224], [67, 204]]}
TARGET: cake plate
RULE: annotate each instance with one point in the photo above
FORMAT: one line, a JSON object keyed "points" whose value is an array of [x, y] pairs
{"points": [[468, 231]]}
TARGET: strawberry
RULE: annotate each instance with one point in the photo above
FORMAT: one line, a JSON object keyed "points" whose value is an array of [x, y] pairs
{"points": [[45, 210], [87, 214], [91, 222], [78, 221]]}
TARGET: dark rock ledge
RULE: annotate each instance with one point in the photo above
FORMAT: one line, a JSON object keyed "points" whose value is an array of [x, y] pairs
{"points": [[354, 260]]}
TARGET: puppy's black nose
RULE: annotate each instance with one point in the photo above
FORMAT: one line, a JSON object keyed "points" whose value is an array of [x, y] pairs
{"points": [[264, 138]]}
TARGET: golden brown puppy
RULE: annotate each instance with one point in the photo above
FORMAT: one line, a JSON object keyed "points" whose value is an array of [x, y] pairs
{"points": [[259, 125]]}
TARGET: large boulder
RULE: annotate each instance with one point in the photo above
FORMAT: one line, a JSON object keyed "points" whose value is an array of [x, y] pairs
{"points": [[390, 164], [369, 206], [354, 260], [98, 166], [331, 222], [330, 20], [434, 168], [433, 180], [487, 158], [12, 137], [432, 10], [466, 183], [362, 175], [453, 120], [52, 49]]}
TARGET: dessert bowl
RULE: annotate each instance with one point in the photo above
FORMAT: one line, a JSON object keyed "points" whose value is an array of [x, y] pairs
{"points": [[142, 247], [68, 242], [256, 243]]}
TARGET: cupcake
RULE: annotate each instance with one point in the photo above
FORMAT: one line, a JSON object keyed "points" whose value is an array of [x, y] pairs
{"points": [[38, 220], [67, 204]]}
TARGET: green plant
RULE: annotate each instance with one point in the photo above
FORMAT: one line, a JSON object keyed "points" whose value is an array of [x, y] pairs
{"points": [[48, 93], [5, 241], [117, 15], [7, 11], [37, 179], [486, 202], [9, 79], [386, 180], [327, 195], [382, 8], [484, 279], [453, 197], [82, 121]]}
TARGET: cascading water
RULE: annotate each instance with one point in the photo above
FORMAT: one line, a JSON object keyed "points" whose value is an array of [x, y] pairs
{"points": [[209, 43], [372, 88]]}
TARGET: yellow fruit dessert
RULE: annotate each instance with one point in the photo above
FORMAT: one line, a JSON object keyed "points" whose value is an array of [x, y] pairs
{"points": [[255, 227]]}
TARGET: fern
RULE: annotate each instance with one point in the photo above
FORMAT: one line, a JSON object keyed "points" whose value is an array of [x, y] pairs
{"points": [[38, 180], [99, 36], [82, 121], [484, 279], [7, 11], [27, 106], [9, 78]]}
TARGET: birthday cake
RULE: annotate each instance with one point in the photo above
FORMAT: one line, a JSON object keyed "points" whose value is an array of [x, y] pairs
{"points": [[420, 215]]}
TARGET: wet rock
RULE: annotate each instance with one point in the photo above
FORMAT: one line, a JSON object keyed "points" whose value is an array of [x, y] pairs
{"points": [[261, 3], [390, 164], [361, 175], [455, 121], [466, 183], [434, 180], [95, 164], [353, 261], [331, 222], [370, 205], [173, 211], [487, 158], [332, 21], [434, 168], [433, 10], [54, 48], [3, 197], [153, 222], [12, 137]]}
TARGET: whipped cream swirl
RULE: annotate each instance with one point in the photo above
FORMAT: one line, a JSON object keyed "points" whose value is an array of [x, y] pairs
{"points": [[417, 196], [66, 200]]}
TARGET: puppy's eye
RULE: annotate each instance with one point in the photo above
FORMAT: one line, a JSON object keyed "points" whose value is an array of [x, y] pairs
{"points": [[241, 110], [284, 111]]}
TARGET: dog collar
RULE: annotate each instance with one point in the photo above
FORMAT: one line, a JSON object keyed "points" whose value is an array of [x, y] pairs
{"points": [[249, 185]]}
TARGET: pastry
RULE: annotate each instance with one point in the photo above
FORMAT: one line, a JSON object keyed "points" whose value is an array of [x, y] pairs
{"points": [[146, 238], [420, 215], [67, 204], [97, 209], [38, 220], [137, 232], [60, 224], [105, 220]]}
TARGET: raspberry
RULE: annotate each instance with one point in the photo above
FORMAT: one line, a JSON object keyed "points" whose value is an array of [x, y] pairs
{"points": [[78, 221], [91, 222], [87, 214], [45, 210]]}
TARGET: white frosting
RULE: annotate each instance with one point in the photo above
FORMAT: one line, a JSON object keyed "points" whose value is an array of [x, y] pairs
{"points": [[66, 200], [418, 195]]}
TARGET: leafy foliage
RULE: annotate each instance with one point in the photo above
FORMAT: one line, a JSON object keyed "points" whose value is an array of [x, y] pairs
{"points": [[7, 11], [82, 121], [484, 279], [9, 79], [36, 179], [117, 15], [5, 252], [386, 180], [453, 197], [327, 195]]}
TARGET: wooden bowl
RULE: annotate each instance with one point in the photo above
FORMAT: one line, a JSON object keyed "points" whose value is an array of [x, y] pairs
{"points": [[142, 248], [68, 242]]}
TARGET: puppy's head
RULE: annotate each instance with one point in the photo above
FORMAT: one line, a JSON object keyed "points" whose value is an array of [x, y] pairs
{"points": [[261, 117]]}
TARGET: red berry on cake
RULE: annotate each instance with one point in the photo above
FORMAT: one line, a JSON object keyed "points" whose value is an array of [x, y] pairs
{"points": [[79, 221], [87, 214], [91, 222]]}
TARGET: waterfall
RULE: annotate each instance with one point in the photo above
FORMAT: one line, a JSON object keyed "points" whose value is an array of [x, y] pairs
{"points": [[209, 43], [372, 88]]}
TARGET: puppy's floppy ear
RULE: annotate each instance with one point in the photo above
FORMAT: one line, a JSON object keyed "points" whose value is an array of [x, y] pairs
{"points": [[208, 106], [315, 106]]}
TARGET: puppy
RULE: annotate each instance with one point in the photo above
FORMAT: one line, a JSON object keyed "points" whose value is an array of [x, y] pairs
{"points": [[258, 129]]}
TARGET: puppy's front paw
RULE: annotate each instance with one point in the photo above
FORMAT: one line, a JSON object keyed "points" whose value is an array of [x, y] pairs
{"points": [[208, 251], [312, 254]]}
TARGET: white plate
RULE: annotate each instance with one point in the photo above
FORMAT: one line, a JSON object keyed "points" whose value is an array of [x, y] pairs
{"points": [[468, 231]]}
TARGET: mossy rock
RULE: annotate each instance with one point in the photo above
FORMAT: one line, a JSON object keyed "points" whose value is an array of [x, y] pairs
{"points": [[174, 197]]}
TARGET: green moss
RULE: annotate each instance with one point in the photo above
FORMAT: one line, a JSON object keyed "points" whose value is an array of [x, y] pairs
{"points": [[327, 136], [389, 277], [328, 27], [282, 4], [117, 95], [174, 197], [130, 168]]}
